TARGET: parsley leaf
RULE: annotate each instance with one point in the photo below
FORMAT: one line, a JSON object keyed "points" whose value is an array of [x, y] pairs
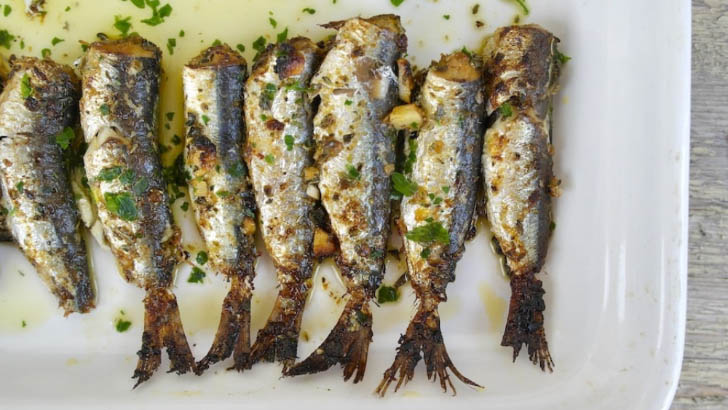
{"points": [[404, 186], [196, 276], [309, 10], [506, 110], [26, 90], [201, 258], [122, 325], [121, 204], [109, 174], [122, 24], [65, 138], [288, 139], [429, 233], [396, 3], [56, 40], [387, 294], [352, 172]]}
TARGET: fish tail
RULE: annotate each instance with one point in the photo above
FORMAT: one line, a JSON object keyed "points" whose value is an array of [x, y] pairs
{"points": [[162, 329], [233, 332], [278, 339], [347, 344], [423, 339], [525, 321]]}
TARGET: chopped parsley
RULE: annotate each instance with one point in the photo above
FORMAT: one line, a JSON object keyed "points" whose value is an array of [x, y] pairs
{"points": [[352, 172], [404, 186], [272, 22], [109, 174], [122, 325], [259, 44], [563, 58], [23, 323], [223, 194], [56, 40], [19, 187], [523, 5], [26, 90], [205, 119], [122, 24], [387, 294], [288, 139], [65, 138], [269, 159], [411, 156], [140, 186], [6, 10], [201, 257], [237, 170], [127, 177], [396, 3], [467, 52], [185, 206], [158, 14], [506, 110], [282, 36], [170, 116], [196, 276], [104, 109], [45, 53], [122, 205], [171, 44], [6, 38], [309, 10], [425, 253], [348, 102], [138, 3], [446, 16], [269, 92], [240, 48], [217, 42], [296, 86], [429, 233]]}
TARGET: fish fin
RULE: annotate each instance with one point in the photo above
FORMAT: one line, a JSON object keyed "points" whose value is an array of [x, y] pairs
{"points": [[347, 344], [233, 331], [162, 328], [278, 339], [423, 339], [525, 321]]}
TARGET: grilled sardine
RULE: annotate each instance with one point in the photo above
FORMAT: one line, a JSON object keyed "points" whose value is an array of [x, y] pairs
{"points": [[37, 108], [5, 235], [522, 72], [119, 118], [357, 86], [222, 198], [279, 147], [438, 215]]}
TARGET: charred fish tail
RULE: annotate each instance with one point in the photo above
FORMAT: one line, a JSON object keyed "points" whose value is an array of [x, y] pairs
{"points": [[525, 321], [162, 329], [233, 332], [347, 344], [423, 339]]}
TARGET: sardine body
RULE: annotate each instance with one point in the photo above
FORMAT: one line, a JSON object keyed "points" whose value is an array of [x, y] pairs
{"points": [[222, 198], [438, 216], [522, 73], [5, 235], [279, 149], [357, 87], [37, 105], [119, 119]]}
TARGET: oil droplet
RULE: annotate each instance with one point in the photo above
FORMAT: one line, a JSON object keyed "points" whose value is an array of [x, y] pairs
{"points": [[495, 306]]}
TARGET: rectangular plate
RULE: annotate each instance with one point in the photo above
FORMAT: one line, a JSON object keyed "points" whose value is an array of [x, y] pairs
{"points": [[615, 276]]}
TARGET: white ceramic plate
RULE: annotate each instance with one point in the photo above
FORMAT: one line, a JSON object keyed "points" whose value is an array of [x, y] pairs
{"points": [[616, 271]]}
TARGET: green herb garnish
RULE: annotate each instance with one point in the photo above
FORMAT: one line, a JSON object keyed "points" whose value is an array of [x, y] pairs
{"points": [[104, 109], [352, 172], [26, 90], [56, 40], [138, 3], [269, 92], [269, 159], [23, 323], [158, 15], [396, 3], [122, 24], [563, 58], [121, 204], [196, 276], [240, 48], [425, 253], [272, 22], [185, 206], [216, 43], [171, 44], [309, 10], [282, 36], [387, 294], [6, 38], [411, 156], [45, 53], [348, 102], [6, 10], [446, 16], [506, 110], [403, 185], [205, 119], [259, 44], [446, 189], [429, 233], [140, 186], [237, 169], [201, 258], [109, 174], [181, 33], [288, 139], [19, 187], [523, 5], [127, 177], [65, 138], [122, 325]]}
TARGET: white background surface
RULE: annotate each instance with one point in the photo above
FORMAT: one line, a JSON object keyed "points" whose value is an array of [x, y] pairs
{"points": [[615, 275]]}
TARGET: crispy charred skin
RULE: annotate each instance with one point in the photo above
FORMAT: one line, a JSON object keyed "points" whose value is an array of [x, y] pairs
{"points": [[355, 154], [118, 117], [446, 171], [522, 72], [222, 199], [278, 117], [38, 102], [5, 235]]}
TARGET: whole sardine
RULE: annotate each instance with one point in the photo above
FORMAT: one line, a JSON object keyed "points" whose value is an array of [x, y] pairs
{"points": [[278, 116], [437, 211], [222, 198], [522, 72], [357, 86], [5, 235], [119, 118], [37, 110]]}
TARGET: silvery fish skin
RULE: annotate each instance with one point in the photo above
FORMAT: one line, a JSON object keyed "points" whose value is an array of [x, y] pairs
{"points": [[357, 86], [222, 198], [38, 103], [278, 116], [119, 118], [438, 217], [5, 235], [521, 79]]}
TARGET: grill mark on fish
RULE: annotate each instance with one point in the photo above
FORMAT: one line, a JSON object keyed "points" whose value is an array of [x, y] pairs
{"points": [[277, 91], [222, 199], [118, 117], [522, 71], [44, 219], [354, 179], [447, 167]]}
